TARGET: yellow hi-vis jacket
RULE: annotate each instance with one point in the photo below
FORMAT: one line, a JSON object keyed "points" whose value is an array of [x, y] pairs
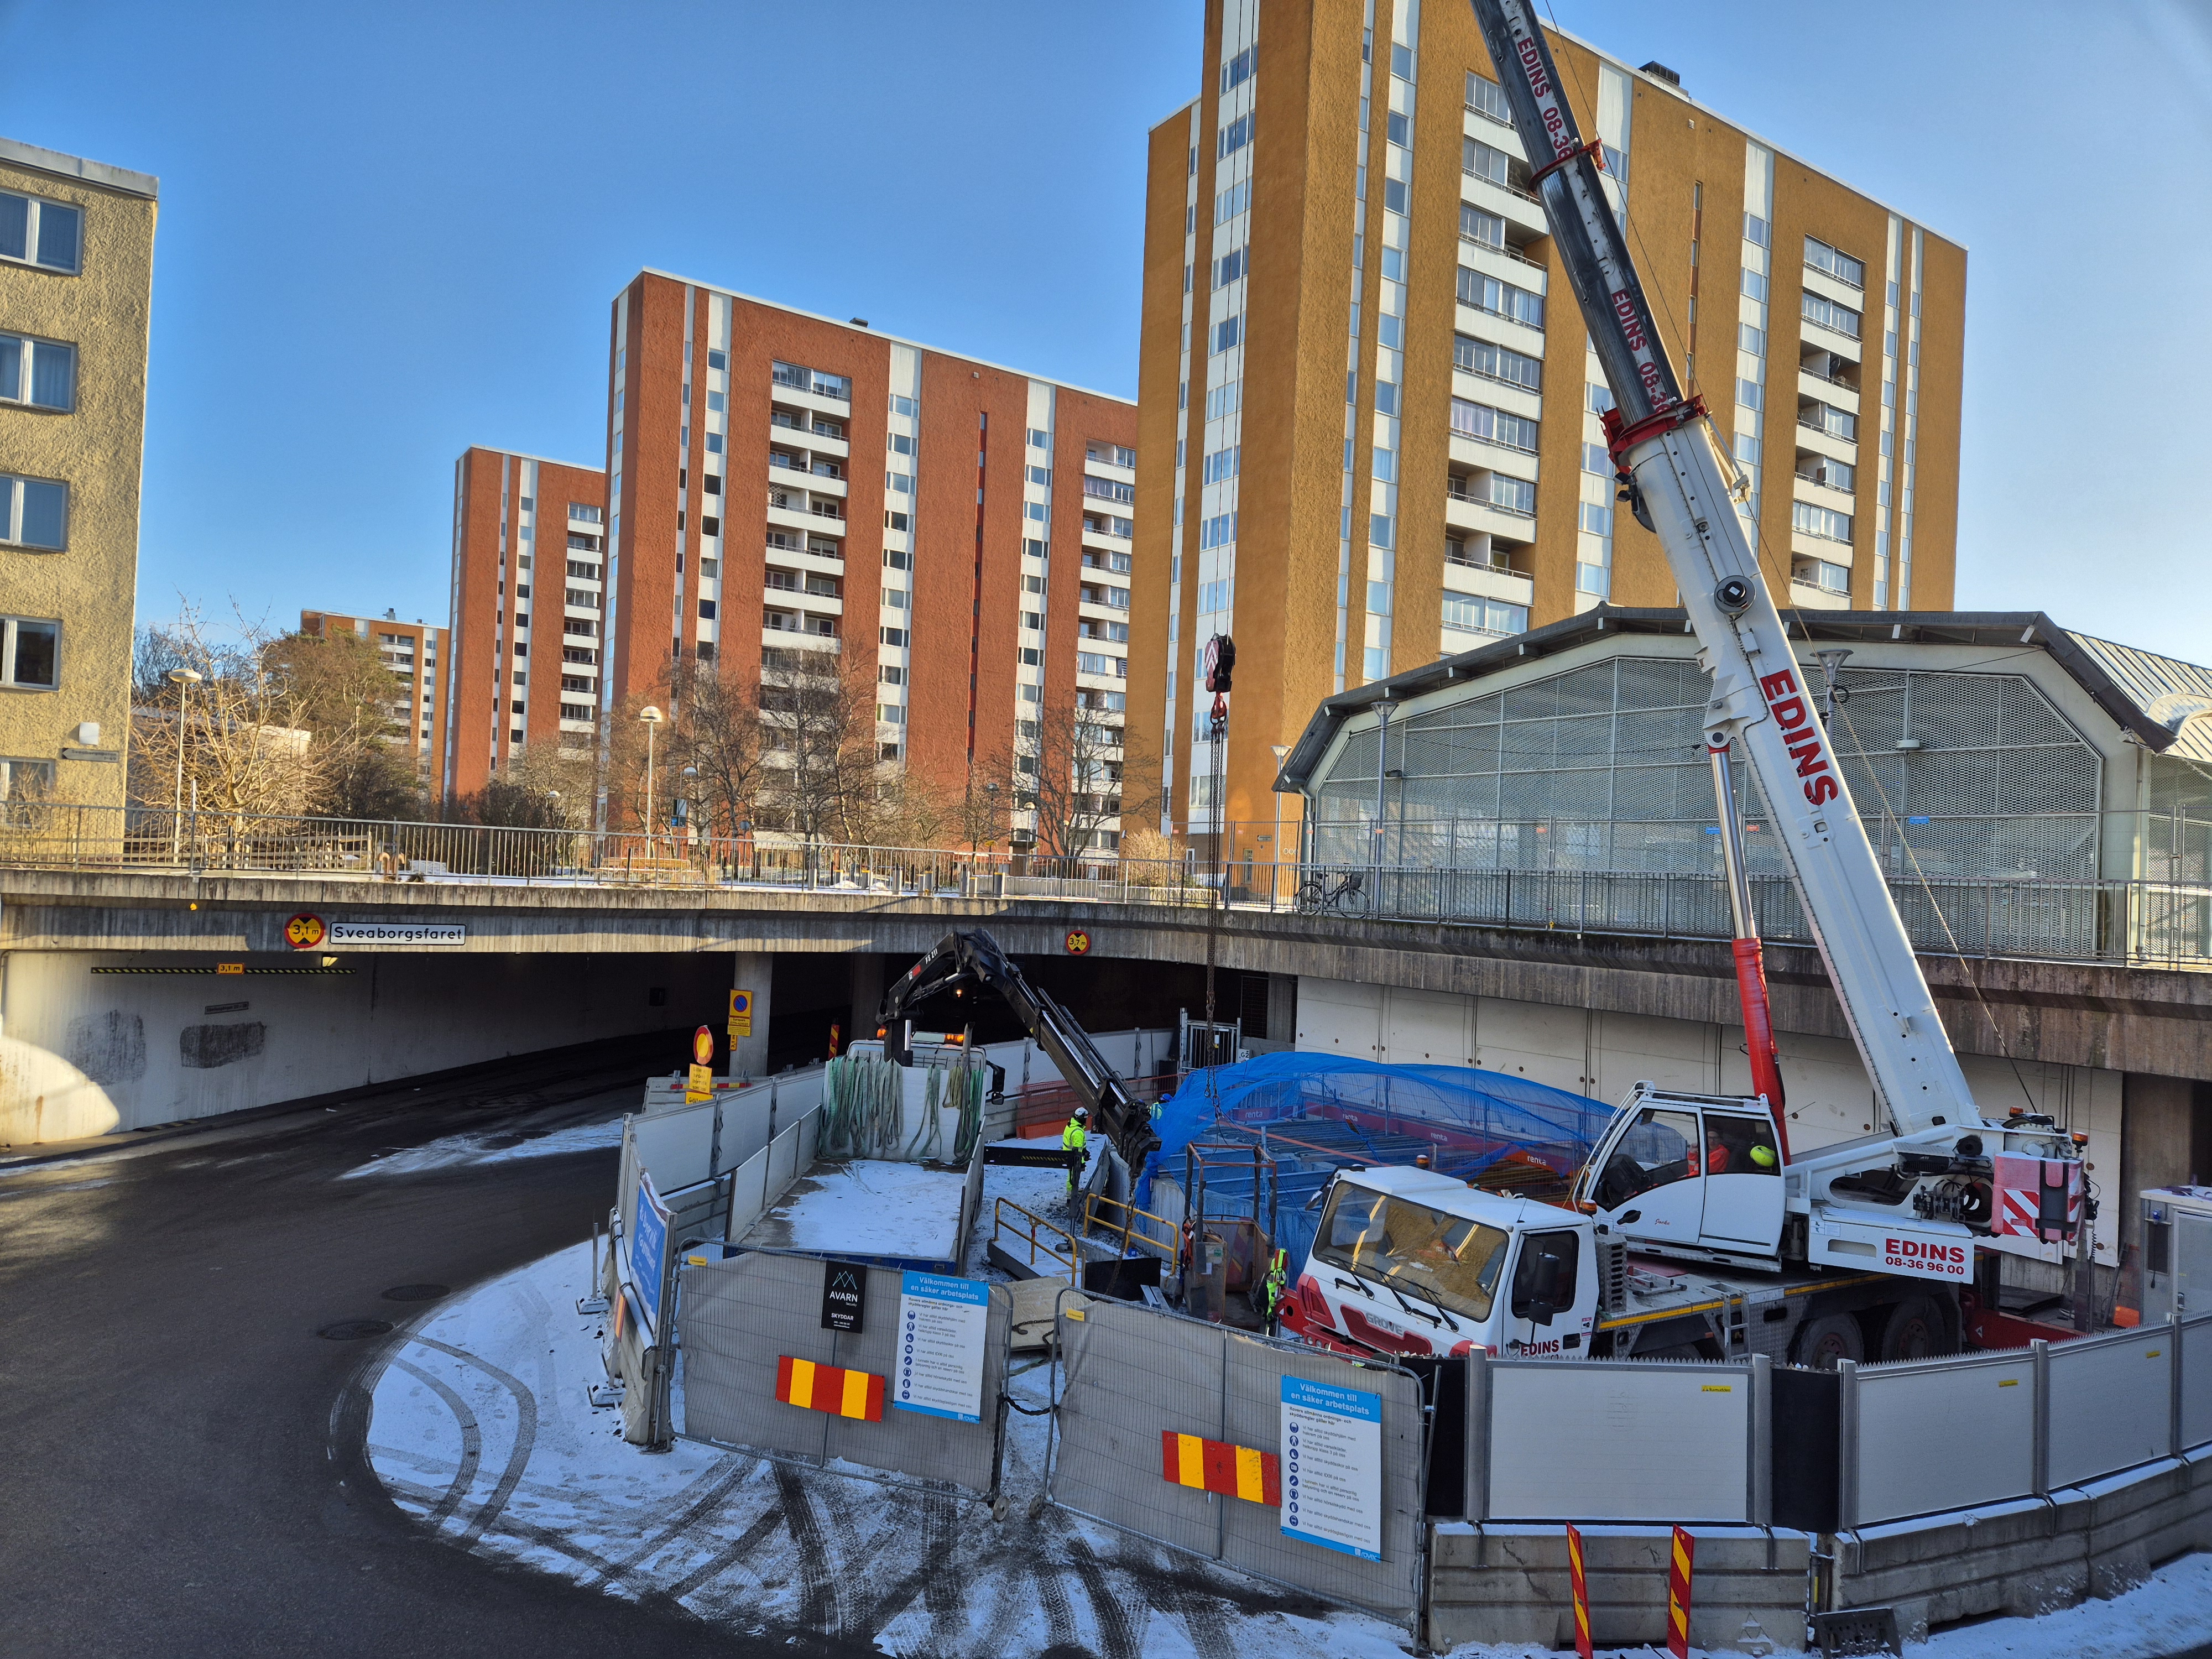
{"points": [[1074, 1137]]}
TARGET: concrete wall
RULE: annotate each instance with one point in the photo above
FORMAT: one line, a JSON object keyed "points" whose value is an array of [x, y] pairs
{"points": [[1600, 1053], [83, 1053]]}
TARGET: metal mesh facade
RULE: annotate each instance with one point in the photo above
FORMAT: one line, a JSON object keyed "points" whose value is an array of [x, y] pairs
{"points": [[1132, 1373], [1604, 768], [739, 1316]]}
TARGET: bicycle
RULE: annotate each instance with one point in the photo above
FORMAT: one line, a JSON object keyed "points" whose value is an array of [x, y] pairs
{"points": [[1347, 894]]}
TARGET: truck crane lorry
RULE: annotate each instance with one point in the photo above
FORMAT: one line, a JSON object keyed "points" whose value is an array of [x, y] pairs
{"points": [[1878, 1232]]}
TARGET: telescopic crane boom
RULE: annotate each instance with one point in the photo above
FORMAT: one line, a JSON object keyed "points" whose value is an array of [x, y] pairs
{"points": [[1676, 482]]}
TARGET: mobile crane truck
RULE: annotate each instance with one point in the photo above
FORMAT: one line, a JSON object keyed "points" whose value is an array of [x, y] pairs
{"points": [[1693, 1229]]}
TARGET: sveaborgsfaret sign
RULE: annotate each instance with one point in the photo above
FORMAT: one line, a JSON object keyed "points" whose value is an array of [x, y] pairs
{"points": [[397, 932]]}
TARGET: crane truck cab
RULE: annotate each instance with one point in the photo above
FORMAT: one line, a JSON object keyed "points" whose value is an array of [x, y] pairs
{"points": [[1408, 1261]]}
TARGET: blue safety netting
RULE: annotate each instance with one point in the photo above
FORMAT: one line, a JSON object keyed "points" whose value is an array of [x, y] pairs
{"points": [[1315, 1114]]}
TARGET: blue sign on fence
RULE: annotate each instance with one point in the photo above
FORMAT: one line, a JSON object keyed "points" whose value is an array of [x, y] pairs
{"points": [[649, 1246]]}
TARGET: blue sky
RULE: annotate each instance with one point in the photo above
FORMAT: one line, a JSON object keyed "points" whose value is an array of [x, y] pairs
{"points": [[390, 232]]}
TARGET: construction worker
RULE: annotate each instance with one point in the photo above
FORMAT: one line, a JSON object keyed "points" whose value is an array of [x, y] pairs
{"points": [[1076, 1139], [1275, 1287]]}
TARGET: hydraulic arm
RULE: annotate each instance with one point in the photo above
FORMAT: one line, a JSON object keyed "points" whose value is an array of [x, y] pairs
{"points": [[973, 957]]}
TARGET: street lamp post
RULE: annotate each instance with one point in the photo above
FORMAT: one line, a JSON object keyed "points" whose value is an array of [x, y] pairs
{"points": [[653, 717], [186, 679]]}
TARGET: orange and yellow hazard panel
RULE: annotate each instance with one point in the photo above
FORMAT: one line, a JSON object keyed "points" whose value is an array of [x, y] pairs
{"points": [[1189, 1460], [829, 1389]]}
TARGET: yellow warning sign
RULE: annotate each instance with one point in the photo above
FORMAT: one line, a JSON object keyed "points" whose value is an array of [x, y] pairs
{"points": [[699, 1086]]}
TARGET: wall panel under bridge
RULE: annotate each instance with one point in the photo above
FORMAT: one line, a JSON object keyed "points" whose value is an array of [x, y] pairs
{"points": [[82, 1052]]}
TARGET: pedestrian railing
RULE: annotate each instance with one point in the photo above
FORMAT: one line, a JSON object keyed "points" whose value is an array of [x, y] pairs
{"points": [[2137, 922]]}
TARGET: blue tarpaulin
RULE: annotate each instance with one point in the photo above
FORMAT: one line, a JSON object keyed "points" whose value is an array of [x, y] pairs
{"points": [[1318, 1113]]}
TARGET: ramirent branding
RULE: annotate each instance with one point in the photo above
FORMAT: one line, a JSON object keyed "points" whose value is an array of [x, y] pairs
{"points": [[397, 933], [1793, 717]]}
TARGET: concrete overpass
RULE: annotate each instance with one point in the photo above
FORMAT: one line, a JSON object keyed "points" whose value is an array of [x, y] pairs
{"points": [[133, 997]]}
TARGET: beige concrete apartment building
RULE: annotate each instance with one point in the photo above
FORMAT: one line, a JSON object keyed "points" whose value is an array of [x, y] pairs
{"points": [[415, 653], [1370, 417], [76, 282]]}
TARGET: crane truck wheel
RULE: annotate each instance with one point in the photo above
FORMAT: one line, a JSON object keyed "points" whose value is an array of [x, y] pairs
{"points": [[1916, 1329], [1825, 1341]]}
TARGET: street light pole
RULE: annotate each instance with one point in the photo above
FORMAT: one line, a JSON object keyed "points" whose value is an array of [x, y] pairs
{"points": [[186, 679], [651, 717]]}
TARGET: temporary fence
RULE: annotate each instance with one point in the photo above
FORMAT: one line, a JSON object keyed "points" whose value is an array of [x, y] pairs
{"points": [[709, 1158], [751, 1323], [1166, 1426], [1554, 883]]}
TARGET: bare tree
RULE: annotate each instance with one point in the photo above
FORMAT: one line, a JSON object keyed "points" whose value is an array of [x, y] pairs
{"points": [[715, 745], [248, 749], [359, 711], [1067, 768], [818, 721]]}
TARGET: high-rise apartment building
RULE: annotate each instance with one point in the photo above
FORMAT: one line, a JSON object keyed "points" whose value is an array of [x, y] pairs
{"points": [[781, 483], [76, 287], [418, 653], [528, 647], [1370, 415]]}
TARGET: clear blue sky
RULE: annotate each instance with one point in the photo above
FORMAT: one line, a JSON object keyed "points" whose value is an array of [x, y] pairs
{"points": [[389, 232]]}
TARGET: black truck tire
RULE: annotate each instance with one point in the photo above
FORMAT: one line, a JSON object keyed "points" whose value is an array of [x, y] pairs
{"points": [[1916, 1329], [1824, 1342]]}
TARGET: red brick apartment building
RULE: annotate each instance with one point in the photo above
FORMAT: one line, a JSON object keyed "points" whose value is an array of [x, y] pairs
{"points": [[778, 481], [528, 594], [416, 653]]}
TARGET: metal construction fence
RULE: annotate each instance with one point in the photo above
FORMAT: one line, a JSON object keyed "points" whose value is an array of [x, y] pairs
{"points": [[2159, 923], [709, 1161], [1131, 1374], [742, 1317]]}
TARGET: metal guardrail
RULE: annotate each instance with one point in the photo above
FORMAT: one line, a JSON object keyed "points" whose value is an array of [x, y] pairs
{"points": [[2149, 923]]}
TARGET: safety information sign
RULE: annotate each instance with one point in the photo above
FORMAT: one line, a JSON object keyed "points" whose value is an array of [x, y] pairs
{"points": [[398, 932], [1333, 1467], [942, 1325], [648, 1243]]}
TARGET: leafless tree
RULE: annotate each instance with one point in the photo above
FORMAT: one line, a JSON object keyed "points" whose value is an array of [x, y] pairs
{"points": [[243, 724], [1067, 769], [821, 769]]}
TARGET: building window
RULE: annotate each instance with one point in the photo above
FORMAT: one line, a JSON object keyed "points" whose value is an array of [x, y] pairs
{"points": [[1496, 362], [1486, 97], [1475, 615], [1500, 299], [1824, 312], [1841, 266], [24, 778], [1227, 332], [575, 711], [1824, 522], [40, 372], [34, 513], [1485, 230], [1108, 489], [892, 635], [30, 654], [1492, 426], [1235, 135], [40, 232]]}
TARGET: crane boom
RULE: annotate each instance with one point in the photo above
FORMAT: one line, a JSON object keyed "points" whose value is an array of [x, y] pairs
{"points": [[1664, 446]]}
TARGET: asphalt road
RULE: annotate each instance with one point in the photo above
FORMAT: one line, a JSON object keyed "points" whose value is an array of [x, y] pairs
{"points": [[168, 1413]]}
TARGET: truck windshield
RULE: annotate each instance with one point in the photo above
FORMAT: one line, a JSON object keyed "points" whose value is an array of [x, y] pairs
{"points": [[1452, 1262]]}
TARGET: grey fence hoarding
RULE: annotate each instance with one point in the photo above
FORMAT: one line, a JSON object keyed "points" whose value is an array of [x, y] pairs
{"points": [[1131, 1374], [1572, 1440], [683, 1145], [739, 1317]]}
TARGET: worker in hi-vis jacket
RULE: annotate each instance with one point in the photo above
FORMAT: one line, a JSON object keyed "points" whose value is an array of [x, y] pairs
{"points": [[1076, 1139]]}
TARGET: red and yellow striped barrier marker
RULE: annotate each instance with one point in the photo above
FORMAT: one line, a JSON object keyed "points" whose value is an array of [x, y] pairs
{"points": [[1678, 1596], [829, 1389], [1581, 1587], [1189, 1460]]}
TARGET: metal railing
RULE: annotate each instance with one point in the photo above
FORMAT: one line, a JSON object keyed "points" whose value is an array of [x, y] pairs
{"points": [[2145, 922]]}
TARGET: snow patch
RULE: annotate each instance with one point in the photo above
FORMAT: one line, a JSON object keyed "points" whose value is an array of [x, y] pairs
{"points": [[466, 1150]]}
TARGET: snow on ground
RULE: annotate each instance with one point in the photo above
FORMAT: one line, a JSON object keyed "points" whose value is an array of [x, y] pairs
{"points": [[867, 1207], [453, 1151], [2171, 1614]]}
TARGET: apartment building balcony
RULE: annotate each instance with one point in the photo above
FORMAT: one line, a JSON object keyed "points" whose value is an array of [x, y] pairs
{"points": [[1479, 516], [780, 627], [787, 394], [1829, 286], [1814, 490], [1807, 593], [1480, 454], [1521, 210], [1508, 395], [803, 597], [1805, 545], [1829, 389], [774, 638], [797, 559], [1103, 603], [1824, 435], [1507, 264], [804, 517], [1480, 324], [1098, 469], [1471, 572]]}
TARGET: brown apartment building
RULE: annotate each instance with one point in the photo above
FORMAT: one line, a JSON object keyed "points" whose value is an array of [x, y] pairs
{"points": [[416, 653], [528, 636], [1370, 414], [782, 483]]}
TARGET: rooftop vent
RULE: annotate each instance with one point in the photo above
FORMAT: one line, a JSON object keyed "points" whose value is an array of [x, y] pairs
{"points": [[860, 322], [1664, 73]]}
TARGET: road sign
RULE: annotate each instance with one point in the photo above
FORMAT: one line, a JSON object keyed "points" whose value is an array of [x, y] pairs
{"points": [[1332, 1440], [941, 1329], [1079, 942], [703, 1047], [699, 1085], [305, 931], [741, 1013], [844, 1295], [648, 1244]]}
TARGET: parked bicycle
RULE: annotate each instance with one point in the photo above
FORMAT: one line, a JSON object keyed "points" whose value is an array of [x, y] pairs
{"points": [[1347, 894]]}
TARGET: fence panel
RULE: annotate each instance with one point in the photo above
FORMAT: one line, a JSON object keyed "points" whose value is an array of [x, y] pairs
{"points": [[2111, 1403], [1630, 1442], [2196, 1382], [1132, 1374], [1943, 1434], [740, 1316]]}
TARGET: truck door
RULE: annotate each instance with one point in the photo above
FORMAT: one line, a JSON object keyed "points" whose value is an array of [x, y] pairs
{"points": [[1652, 1176], [1743, 1181], [1552, 1283]]}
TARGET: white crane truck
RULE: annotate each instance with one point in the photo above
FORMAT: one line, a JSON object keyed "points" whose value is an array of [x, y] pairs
{"points": [[1693, 1230]]}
